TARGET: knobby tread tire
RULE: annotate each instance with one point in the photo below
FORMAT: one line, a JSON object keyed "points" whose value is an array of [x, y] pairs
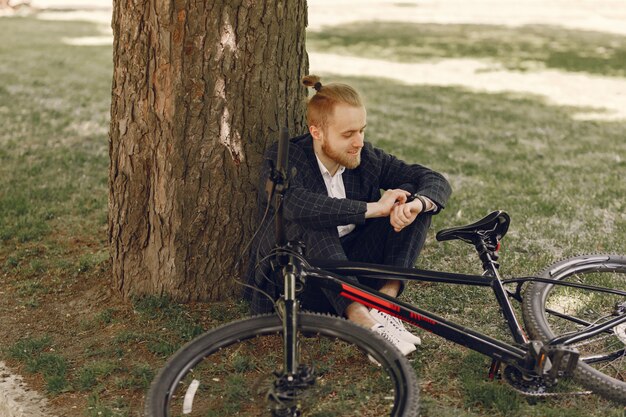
{"points": [[232, 333], [533, 314]]}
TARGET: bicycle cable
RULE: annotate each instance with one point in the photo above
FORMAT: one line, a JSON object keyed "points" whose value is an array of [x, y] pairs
{"points": [[247, 247], [272, 253]]}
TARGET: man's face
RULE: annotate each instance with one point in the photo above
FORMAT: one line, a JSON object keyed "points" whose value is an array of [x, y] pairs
{"points": [[343, 138]]}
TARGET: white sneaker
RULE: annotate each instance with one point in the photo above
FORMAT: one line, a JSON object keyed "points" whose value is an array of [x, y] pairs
{"points": [[404, 347], [395, 325]]}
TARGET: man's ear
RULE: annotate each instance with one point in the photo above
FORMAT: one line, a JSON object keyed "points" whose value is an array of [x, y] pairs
{"points": [[315, 132]]}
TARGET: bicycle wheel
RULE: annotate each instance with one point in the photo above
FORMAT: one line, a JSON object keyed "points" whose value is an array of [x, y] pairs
{"points": [[602, 365], [233, 370]]}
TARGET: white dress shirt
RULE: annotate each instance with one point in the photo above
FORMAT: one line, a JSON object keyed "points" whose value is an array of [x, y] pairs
{"points": [[335, 189]]}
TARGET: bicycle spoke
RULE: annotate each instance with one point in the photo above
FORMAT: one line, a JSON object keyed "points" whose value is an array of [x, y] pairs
{"points": [[617, 368], [573, 310], [238, 380]]}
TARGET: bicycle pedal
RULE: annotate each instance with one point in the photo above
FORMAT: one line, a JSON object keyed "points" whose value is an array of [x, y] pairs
{"points": [[563, 360]]}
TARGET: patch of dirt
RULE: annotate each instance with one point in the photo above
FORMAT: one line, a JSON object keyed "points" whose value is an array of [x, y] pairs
{"points": [[90, 325], [61, 311]]}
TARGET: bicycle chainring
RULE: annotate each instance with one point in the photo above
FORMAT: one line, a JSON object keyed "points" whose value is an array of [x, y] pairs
{"points": [[533, 386]]}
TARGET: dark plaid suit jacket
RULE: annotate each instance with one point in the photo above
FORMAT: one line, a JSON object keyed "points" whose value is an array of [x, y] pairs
{"points": [[309, 209]]}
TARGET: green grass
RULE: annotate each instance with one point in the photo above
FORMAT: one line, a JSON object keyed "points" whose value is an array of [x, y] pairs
{"points": [[38, 356], [139, 378], [176, 318], [562, 180], [525, 48], [53, 163], [100, 408], [89, 375]]}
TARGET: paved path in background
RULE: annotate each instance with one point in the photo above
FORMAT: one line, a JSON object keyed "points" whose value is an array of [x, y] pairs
{"points": [[600, 98], [16, 400], [599, 15], [606, 96]]}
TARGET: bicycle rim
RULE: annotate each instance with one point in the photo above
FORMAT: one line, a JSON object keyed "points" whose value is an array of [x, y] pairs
{"points": [[232, 371], [554, 310]]}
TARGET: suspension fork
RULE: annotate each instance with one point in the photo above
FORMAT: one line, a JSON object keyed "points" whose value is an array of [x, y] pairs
{"points": [[290, 321]]}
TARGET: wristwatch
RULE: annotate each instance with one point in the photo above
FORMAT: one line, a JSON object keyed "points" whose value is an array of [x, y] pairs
{"points": [[424, 201]]}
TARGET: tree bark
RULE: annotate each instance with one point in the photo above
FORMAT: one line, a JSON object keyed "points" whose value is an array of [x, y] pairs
{"points": [[200, 90]]}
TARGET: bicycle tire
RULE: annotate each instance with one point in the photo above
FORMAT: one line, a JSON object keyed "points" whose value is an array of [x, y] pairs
{"points": [[599, 270], [256, 329]]}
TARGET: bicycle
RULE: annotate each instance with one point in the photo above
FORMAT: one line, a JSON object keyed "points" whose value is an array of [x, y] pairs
{"points": [[574, 311]]}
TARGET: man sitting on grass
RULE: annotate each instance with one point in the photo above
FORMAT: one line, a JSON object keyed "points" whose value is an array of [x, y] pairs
{"points": [[334, 206]]}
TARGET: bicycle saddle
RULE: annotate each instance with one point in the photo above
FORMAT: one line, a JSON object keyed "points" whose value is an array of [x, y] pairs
{"points": [[493, 226]]}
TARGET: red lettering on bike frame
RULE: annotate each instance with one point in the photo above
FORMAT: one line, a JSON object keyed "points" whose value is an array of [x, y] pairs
{"points": [[361, 297], [421, 318], [366, 296]]}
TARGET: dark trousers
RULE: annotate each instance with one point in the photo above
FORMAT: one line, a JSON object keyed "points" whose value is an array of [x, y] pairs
{"points": [[373, 242]]}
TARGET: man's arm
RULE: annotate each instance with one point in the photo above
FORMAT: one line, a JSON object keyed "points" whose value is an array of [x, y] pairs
{"points": [[316, 216], [415, 178]]}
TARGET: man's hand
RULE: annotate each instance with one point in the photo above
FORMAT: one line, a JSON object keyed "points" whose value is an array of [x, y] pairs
{"points": [[403, 215], [384, 206]]}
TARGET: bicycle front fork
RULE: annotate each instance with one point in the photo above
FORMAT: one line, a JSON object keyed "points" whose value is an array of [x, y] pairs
{"points": [[295, 377], [290, 323]]}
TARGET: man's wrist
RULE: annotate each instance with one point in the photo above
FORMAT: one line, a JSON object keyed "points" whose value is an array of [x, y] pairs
{"points": [[423, 202], [416, 205], [373, 210]]}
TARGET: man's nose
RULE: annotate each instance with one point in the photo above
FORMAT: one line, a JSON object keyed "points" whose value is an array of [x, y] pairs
{"points": [[358, 141]]}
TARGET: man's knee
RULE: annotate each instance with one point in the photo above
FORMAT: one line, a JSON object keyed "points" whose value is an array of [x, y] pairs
{"points": [[323, 243]]}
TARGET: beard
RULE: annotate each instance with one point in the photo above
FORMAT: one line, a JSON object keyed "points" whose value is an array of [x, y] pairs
{"points": [[342, 158]]}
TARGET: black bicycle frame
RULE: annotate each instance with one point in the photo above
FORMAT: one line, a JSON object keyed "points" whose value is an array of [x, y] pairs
{"points": [[330, 275]]}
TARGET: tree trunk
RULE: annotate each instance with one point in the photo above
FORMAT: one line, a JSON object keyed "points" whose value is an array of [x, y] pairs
{"points": [[200, 90]]}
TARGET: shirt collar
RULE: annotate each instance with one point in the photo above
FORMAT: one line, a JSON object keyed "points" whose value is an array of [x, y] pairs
{"points": [[325, 171]]}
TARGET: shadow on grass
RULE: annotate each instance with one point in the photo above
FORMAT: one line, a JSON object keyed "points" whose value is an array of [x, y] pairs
{"points": [[520, 48]]}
